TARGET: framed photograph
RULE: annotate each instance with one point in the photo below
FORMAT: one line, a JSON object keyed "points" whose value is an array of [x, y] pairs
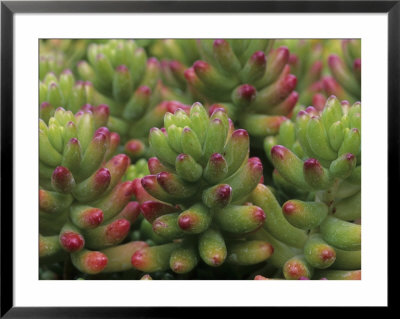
{"points": [[162, 155]]}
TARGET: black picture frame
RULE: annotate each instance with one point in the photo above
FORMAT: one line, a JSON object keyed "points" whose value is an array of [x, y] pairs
{"points": [[9, 8]]}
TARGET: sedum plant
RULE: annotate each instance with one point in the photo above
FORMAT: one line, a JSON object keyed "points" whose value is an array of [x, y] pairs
{"points": [[249, 79], [85, 210], [63, 91], [137, 170], [305, 61], [183, 50], [59, 54], [343, 78], [126, 80], [54, 62], [194, 204], [195, 201], [175, 56], [346, 70], [316, 232]]}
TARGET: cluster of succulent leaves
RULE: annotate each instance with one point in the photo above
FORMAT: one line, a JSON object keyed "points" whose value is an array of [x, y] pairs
{"points": [[199, 159], [317, 161]]}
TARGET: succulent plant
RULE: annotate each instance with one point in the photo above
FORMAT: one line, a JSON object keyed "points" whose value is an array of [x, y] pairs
{"points": [[145, 43], [127, 82], [343, 78], [306, 63], [59, 54], [183, 50], [137, 170], [175, 56], [54, 62], [249, 79], [346, 70], [194, 201], [85, 211], [317, 162], [63, 91]]}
